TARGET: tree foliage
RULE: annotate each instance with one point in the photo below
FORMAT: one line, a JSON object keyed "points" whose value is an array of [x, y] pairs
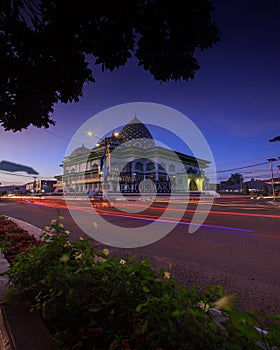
{"points": [[45, 46], [265, 189], [234, 179], [246, 188]]}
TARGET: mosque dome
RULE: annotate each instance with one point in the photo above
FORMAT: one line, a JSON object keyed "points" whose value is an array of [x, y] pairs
{"points": [[80, 151], [136, 134]]}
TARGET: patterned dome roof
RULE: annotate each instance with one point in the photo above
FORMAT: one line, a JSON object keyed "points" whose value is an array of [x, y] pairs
{"points": [[136, 134], [80, 151]]}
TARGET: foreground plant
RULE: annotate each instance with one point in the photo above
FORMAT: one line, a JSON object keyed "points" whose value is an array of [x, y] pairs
{"points": [[90, 300]]}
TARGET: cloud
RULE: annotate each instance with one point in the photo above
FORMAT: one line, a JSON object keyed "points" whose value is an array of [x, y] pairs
{"points": [[13, 167]]}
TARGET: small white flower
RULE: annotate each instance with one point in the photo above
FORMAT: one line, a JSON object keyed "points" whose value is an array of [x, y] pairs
{"points": [[60, 217], [67, 232], [106, 251], [122, 262], [167, 275], [226, 303], [54, 222], [204, 306], [79, 256], [64, 258], [60, 225], [81, 238], [46, 228]]}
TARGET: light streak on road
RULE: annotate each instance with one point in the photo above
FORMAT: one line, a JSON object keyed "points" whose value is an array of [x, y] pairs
{"points": [[58, 204], [136, 216], [182, 222], [213, 212]]}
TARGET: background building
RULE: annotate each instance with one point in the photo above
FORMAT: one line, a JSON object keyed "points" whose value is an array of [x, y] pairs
{"points": [[40, 186], [12, 189]]}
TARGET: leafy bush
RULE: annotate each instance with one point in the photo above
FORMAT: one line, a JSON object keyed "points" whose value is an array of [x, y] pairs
{"points": [[92, 301]]}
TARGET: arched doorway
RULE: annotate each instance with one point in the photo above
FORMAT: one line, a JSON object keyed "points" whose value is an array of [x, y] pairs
{"points": [[193, 186]]}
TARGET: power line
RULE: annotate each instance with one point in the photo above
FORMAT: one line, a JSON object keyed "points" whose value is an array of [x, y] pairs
{"points": [[61, 137], [244, 167], [218, 171], [245, 161], [28, 176], [8, 173]]}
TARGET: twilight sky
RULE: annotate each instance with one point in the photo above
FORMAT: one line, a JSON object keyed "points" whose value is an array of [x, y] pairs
{"points": [[234, 99]]}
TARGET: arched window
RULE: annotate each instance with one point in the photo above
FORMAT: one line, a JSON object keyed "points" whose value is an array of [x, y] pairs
{"points": [[94, 167], [139, 166], [172, 168], [150, 166]]}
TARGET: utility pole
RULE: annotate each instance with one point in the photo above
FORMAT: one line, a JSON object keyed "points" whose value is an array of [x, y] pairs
{"points": [[34, 184], [271, 160]]}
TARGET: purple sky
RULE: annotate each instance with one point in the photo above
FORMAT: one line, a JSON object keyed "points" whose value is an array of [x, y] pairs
{"points": [[234, 99]]}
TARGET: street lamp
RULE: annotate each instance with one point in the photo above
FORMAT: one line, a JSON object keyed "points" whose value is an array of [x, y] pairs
{"points": [[34, 184], [271, 160], [110, 143]]}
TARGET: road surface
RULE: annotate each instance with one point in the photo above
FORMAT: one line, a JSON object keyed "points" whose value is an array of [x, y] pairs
{"points": [[238, 246]]}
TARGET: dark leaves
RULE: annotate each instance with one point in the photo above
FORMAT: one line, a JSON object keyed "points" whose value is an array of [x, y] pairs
{"points": [[44, 45]]}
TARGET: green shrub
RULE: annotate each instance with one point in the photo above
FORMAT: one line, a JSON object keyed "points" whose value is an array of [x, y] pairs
{"points": [[92, 301]]}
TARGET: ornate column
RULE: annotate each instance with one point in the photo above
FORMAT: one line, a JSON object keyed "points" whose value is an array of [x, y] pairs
{"points": [[133, 170], [188, 184], [156, 166]]}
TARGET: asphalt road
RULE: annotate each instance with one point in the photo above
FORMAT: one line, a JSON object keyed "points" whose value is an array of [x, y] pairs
{"points": [[238, 246]]}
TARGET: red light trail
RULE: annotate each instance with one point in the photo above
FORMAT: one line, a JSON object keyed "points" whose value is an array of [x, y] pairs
{"points": [[138, 216]]}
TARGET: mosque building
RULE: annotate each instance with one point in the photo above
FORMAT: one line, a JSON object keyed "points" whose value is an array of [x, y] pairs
{"points": [[129, 161]]}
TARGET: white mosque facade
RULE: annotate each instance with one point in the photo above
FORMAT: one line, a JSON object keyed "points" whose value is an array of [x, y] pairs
{"points": [[129, 162]]}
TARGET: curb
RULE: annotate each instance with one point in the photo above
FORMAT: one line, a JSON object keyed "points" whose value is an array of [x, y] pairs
{"points": [[6, 339], [24, 330], [21, 329], [275, 204]]}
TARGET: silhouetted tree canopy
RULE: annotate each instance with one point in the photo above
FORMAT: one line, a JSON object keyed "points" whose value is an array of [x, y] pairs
{"points": [[276, 138], [234, 179], [246, 188], [45, 46]]}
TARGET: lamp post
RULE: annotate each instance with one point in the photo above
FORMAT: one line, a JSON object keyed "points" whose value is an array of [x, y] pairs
{"points": [[109, 142], [271, 160], [34, 184]]}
